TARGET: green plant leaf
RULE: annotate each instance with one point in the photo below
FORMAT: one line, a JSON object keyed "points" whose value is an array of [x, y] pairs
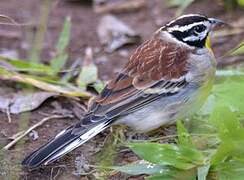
{"points": [[167, 154], [225, 121], [202, 172], [89, 71], [142, 168], [174, 174], [230, 93], [184, 138], [58, 62], [240, 2], [99, 86], [27, 66], [230, 132], [232, 169], [223, 151], [226, 92], [61, 57], [64, 36], [87, 75]]}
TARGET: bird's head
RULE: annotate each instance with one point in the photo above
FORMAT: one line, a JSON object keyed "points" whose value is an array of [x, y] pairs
{"points": [[192, 29]]}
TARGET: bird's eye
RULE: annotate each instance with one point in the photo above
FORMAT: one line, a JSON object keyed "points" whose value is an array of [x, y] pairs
{"points": [[199, 28]]}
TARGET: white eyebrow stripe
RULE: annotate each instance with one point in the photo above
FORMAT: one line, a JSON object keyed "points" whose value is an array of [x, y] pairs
{"points": [[183, 16], [188, 15], [186, 27]]}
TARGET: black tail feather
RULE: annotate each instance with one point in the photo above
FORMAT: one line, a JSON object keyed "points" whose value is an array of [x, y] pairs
{"points": [[62, 144], [42, 154]]}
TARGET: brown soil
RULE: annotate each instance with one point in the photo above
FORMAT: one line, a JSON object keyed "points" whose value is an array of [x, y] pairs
{"points": [[84, 23]]}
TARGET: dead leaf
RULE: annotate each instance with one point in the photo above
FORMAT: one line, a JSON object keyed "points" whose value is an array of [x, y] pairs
{"points": [[24, 102], [28, 102], [114, 33]]}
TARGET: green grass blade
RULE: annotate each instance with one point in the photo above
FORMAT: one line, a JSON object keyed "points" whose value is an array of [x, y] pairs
{"points": [[184, 138], [27, 66], [64, 36], [61, 57], [239, 50]]}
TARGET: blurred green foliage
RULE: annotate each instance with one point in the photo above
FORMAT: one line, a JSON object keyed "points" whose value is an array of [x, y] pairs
{"points": [[231, 4]]}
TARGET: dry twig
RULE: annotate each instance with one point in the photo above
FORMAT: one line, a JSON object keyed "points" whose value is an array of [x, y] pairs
{"points": [[8, 115], [24, 133], [7, 20]]}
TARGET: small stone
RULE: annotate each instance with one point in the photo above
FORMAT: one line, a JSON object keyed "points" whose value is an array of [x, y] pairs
{"points": [[33, 135]]}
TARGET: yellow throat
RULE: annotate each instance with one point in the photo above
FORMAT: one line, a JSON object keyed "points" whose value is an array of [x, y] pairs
{"points": [[208, 43]]}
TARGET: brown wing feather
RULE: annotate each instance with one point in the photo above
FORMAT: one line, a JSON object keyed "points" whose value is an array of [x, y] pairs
{"points": [[154, 61]]}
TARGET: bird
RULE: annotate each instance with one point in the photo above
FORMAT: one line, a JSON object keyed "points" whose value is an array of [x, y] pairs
{"points": [[166, 78]]}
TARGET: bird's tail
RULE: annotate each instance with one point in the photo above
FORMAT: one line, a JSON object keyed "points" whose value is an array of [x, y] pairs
{"points": [[64, 142]]}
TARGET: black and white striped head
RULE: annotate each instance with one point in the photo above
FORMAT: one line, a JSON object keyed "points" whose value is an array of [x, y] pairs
{"points": [[192, 29]]}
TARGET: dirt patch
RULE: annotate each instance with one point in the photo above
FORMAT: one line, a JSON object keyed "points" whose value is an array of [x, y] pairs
{"points": [[84, 23]]}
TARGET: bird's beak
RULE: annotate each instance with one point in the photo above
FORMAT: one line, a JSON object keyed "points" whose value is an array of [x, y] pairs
{"points": [[217, 22]]}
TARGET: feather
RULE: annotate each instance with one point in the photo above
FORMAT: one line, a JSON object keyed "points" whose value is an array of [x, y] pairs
{"points": [[62, 144], [157, 68]]}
